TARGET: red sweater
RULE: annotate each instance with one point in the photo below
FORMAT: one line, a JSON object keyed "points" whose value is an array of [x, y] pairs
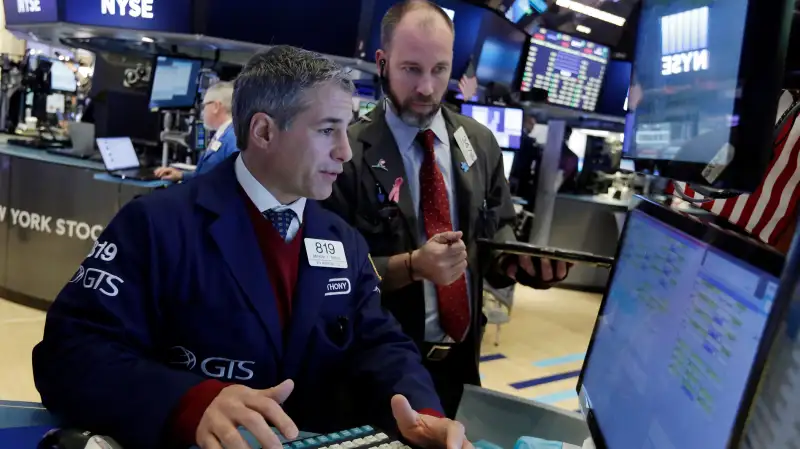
{"points": [[282, 261]]}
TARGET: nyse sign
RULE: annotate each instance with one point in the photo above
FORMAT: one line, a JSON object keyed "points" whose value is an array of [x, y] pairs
{"points": [[25, 6], [133, 8], [684, 42]]}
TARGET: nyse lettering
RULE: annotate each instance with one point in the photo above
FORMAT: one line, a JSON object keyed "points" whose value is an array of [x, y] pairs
{"points": [[693, 61], [24, 6], [220, 368], [47, 224], [94, 279], [133, 8]]}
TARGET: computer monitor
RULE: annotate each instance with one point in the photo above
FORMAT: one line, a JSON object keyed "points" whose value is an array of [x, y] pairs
{"points": [[570, 69], [504, 122], [508, 162], [703, 98], [62, 78], [175, 83], [682, 334]]}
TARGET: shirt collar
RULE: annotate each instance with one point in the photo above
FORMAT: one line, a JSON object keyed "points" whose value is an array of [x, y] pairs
{"points": [[404, 134], [260, 196], [221, 130]]}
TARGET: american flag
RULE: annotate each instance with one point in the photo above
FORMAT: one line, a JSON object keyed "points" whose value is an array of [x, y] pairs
{"points": [[767, 212]]}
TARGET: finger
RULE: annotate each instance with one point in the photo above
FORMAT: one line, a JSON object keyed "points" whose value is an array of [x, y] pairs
{"points": [[561, 270], [208, 442], [547, 270], [457, 247], [229, 437], [468, 445], [404, 415], [276, 416], [455, 435], [511, 271], [448, 237], [158, 171], [281, 392], [527, 264], [454, 259], [253, 421]]}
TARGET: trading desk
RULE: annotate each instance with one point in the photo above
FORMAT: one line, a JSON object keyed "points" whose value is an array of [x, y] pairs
{"points": [[492, 418], [52, 208]]}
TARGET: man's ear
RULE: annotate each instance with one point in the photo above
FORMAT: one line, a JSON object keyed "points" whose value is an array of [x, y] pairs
{"points": [[262, 130]]}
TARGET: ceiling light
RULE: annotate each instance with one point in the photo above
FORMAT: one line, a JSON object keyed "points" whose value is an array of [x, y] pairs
{"points": [[591, 12], [583, 29], [149, 40]]}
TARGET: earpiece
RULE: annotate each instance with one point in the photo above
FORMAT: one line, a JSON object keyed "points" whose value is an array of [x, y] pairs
{"points": [[382, 77]]}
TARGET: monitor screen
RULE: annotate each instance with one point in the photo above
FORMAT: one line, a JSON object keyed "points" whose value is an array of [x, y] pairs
{"points": [[505, 123], [117, 153], [62, 78], [500, 51], [175, 83], [695, 110], [508, 162], [678, 334], [570, 69], [614, 94]]}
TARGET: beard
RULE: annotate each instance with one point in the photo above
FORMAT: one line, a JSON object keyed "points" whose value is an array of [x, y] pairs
{"points": [[404, 110]]}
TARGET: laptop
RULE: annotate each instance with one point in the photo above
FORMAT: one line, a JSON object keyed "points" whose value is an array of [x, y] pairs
{"points": [[121, 160], [82, 137], [682, 335]]}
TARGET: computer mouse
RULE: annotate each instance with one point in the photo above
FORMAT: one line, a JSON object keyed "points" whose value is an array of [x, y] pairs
{"points": [[76, 439]]}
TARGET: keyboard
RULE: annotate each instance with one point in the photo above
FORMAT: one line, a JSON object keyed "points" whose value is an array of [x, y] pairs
{"points": [[357, 438]]}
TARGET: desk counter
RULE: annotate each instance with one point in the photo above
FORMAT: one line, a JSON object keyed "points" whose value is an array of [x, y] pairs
{"points": [[52, 208]]}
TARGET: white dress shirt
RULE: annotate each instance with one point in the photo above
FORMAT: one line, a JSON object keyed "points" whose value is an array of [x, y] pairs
{"points": [[413, 156], [264, 200]]}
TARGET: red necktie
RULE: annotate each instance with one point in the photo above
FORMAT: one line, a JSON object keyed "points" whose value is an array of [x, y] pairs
{"points": [[453, 301]]}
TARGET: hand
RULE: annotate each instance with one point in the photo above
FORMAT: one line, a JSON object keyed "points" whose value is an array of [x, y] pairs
{"points": [[468, 87], [546, 269], [442, 260], [427, 432], [256, 410], [169, 174]]}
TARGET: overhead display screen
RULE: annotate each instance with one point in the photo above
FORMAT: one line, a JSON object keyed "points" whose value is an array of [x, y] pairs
{"points": [[173, 16], [570, 69], [30, 11], [686, 75]]}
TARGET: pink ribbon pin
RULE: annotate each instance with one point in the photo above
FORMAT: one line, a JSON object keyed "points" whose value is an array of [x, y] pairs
{"points": [[394, 195]]}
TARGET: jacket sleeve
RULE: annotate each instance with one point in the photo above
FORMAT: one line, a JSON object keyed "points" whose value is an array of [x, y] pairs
{"points": [[386, 359], [95, 367]]}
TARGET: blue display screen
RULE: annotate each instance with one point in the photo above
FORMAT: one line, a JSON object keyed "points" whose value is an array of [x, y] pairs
{"points": [[675, 341], [20, 12], [570, 69], [500, 52], [174, 83], [686, 76], [614, 94], [175, 16], [505, 123]]}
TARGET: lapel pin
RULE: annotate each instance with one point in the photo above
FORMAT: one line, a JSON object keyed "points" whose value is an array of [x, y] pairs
{"points": [[464, 167], [381, 165], [394, 195]]}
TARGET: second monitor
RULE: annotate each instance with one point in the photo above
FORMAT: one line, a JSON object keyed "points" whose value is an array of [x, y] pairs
{"points": [[504, 122], [175, 83]]}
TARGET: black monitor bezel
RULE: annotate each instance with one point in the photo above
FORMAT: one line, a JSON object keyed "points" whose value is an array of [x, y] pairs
{"points": [[524, 59], [476, 103], [742, 247], [762, 64], [153, 81]]}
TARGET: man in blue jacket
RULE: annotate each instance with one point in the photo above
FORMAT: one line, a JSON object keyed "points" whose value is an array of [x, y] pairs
{"points": [[216, 117], [236, 299]]}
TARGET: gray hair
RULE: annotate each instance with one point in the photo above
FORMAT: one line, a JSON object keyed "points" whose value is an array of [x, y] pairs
{"points": [[275, 82], [222, 92]]}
